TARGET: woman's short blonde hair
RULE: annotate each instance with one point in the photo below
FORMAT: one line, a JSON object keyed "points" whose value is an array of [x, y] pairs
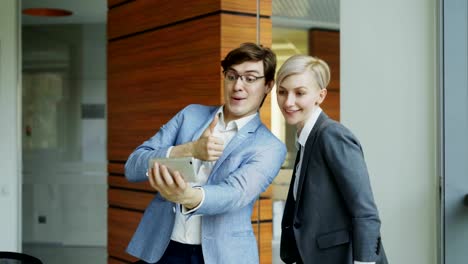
{"points": [[298, 64]]}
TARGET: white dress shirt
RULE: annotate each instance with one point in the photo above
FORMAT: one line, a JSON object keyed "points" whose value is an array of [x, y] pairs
{"points": [[187, 230], [300, 142]]}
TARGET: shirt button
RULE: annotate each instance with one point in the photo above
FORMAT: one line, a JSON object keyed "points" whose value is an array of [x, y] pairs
{"points": [[173, 209]]}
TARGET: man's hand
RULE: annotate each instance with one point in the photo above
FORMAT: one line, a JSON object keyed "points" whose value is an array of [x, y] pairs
{"points": [[173, 187], [208, 147]]}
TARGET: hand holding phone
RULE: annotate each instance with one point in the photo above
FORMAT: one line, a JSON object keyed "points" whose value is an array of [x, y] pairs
{"points": [[183, 165]]}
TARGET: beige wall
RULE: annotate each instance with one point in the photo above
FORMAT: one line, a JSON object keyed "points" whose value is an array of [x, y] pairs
{"points": [[388, 67]]}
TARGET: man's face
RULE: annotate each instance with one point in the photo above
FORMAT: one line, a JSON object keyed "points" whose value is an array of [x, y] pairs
{"points": [[243, 95]]}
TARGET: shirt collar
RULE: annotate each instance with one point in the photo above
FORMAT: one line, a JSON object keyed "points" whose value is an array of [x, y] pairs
{"points": [[309, 124], [238, 123]]}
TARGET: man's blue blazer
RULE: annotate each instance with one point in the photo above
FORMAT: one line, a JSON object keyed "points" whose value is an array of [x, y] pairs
{"points": [[247, 167]]}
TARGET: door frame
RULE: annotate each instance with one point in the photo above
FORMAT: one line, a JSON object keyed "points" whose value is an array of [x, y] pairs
{"points": [[447, 19], [440, 131]]}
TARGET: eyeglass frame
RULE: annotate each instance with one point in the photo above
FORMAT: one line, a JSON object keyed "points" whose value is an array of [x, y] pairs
{"points": [[242, 77]]}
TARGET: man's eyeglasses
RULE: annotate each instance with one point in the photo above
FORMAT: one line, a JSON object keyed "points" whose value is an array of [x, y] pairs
{"points": [[232, 76]]}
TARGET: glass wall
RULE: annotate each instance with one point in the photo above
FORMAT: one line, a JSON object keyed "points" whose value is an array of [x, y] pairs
{"points": [[64, 140], [293, 23]]}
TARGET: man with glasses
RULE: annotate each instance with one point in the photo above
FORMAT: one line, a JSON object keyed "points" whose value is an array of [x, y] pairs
{"points": [[236, 158]]}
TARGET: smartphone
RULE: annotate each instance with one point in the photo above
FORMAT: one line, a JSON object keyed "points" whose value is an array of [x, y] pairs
{"points": [[183, 165]]}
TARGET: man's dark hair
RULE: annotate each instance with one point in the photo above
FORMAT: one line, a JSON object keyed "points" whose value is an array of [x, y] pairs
{"points": [[252, 52]]}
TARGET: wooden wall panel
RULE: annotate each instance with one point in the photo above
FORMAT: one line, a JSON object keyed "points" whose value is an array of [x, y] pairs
{"points": [[325, 44], [118, 168], [121, 224], [112, 3], [238, 29], [267, 193], [247, 6], [112, 260], [138, 16], [151, 76], [264, 241], [122, 182], [331, 104], [265, 210], [129, 199]]}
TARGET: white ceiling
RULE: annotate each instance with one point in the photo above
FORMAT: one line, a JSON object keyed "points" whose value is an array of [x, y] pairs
{"points": [[306, 13], [286, 13]]}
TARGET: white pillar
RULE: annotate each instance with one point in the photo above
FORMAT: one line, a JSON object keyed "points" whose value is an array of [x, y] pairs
{"points": [[388, 87], [10, 133]]}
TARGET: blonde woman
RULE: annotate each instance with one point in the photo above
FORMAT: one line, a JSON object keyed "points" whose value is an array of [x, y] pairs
{"points": [[330, 215]]}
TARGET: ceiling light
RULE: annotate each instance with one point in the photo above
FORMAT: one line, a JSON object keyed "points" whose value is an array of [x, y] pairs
{"points": [[47, 12]]}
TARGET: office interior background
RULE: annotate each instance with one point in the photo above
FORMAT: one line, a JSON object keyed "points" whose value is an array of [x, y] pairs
{"points": [[402, 90]]}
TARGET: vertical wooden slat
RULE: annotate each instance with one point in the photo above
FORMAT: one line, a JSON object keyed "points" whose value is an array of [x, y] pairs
{"points": [[265, 212], [264, 240]]}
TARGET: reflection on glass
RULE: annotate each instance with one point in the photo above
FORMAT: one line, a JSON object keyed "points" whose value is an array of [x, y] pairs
{"points": [[286, 42], [64, 151], [42, 93]]}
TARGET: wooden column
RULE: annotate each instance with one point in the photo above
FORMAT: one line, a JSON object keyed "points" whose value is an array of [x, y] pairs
{"points": [[325, 44], [162, 56]]}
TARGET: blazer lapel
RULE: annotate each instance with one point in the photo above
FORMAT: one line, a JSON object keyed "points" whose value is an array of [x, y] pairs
{"points": [[307, 152], [241, 138]]}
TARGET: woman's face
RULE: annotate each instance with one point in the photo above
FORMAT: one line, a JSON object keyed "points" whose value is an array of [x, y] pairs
{"points": [[298, 97]]}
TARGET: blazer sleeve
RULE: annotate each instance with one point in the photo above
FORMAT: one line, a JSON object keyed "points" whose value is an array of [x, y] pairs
{"points": [[344, 157], [244, 184], [155, 147]]}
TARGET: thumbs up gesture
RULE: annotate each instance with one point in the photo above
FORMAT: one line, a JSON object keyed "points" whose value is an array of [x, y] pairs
{"points": [[208, 147]]}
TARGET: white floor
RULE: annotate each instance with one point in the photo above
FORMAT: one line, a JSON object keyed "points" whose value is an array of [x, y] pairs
{"points": [[56, 254]]}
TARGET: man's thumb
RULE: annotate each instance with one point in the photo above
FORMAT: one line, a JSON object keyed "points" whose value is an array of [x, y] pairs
{"points": [[213, 124]]}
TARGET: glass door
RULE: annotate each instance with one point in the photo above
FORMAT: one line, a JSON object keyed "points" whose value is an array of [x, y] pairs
{"points": [[454, 126]]}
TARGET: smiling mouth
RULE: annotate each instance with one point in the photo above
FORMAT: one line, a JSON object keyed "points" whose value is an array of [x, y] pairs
{"points": [[291, 111]]}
